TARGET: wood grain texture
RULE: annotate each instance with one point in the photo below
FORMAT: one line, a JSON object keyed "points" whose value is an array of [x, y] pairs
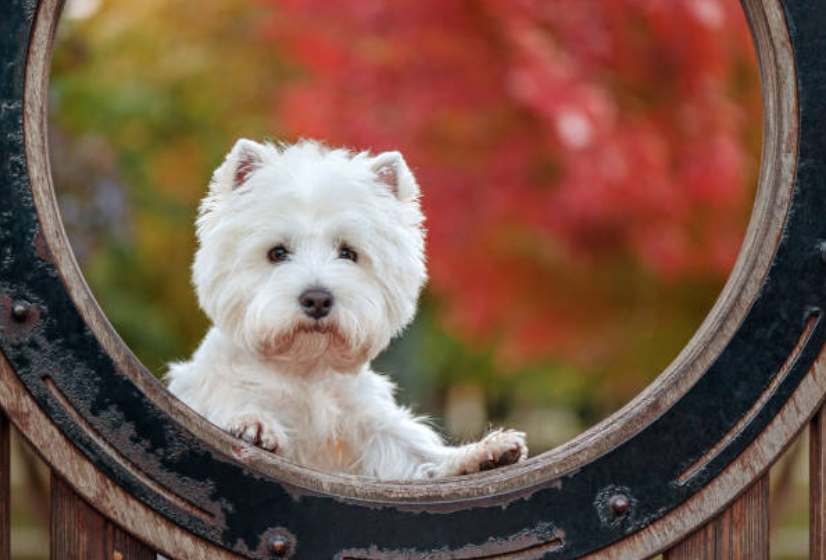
{"points": [[752, 464], [79, 532], [817, 486], [5, 487], [77, 472], [741, 532]]}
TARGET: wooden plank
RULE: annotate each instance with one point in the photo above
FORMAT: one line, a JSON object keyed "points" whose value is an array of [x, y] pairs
{"points": [[5, 488], [113, 501], [79, 532], [739, 533], [817, 486], [752, 464]]}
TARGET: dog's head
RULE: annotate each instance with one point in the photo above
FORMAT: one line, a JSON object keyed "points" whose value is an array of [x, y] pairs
{"points": [[310, 256]]}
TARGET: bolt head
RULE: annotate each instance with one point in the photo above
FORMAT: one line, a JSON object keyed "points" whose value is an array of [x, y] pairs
{"points": [[279, 546], [20, 311], [619, 505]]}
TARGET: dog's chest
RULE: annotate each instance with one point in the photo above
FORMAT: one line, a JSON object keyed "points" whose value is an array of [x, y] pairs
{"points": [[324, 428]]}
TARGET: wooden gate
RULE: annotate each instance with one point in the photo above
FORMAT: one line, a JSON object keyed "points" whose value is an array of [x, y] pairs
{"points": [[681, 469]]}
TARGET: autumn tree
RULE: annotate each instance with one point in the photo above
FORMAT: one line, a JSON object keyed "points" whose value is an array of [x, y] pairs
{"points": [[586, 166]]}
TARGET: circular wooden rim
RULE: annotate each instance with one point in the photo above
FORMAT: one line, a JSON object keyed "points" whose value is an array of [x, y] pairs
{"points": [[746, 375]]}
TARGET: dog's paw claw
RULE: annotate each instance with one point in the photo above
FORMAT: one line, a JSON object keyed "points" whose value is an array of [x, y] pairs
{"points": [[509, 457], [487, 465], [254, 431], [497, 449], [506, 442], [503, 447]]}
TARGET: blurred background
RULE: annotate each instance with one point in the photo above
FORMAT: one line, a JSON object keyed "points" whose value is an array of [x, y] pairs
{"points": [[587, 167]]}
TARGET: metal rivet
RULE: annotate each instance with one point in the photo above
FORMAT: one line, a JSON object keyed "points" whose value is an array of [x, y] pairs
{"points": [[619, 505], [20, 311], [279, 546]]}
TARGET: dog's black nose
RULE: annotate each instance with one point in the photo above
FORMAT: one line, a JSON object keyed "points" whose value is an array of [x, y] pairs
{"points": [[316, 303]]}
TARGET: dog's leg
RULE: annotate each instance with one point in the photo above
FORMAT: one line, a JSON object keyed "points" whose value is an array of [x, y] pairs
{"points": [[408, 448], [236, 407], [497, 449]]}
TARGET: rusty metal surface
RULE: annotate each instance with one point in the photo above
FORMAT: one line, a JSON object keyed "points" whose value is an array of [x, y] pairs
{"points": [[138, 445]]}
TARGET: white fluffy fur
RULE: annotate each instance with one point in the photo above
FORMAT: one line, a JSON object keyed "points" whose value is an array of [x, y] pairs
{"points": [[272, 375]]}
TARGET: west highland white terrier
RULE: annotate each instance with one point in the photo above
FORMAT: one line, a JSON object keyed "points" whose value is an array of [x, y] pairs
{"points": [[310, 261]]}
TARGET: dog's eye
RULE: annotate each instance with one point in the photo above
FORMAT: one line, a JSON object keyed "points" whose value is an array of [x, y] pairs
{"points": [[278, 254], [347, 253]]}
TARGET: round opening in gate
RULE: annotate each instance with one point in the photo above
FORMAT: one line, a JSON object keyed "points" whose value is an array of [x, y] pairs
{"points": [[586, 187]]}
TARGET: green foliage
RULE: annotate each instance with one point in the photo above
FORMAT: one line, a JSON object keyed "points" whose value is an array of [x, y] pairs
{"points": [[156, 93]]}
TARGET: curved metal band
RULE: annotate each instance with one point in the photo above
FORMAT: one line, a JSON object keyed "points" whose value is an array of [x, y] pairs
{"points": [[699, 435]]}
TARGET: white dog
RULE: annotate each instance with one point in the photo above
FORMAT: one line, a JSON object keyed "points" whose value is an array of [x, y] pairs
{"points": [[310, 261]]}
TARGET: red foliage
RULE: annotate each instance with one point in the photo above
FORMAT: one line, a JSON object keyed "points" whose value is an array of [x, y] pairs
{"points": [[552, 138]]}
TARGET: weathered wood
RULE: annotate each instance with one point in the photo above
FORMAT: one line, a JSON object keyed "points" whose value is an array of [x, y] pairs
{"points": [[750, 466], [79, 532], [5, 487], [741, 532], [110, 499], [817, 486]]}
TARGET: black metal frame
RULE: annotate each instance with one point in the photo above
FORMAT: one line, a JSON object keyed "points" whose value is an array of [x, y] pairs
{"points": [[62, 364]]}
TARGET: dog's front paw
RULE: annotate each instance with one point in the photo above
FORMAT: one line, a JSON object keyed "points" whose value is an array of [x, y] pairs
{"points": [[497, 449], [256, 430]]}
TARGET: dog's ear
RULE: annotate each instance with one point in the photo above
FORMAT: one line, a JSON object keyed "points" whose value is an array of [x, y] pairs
{"points": [[392, 171], [244, 158]]}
